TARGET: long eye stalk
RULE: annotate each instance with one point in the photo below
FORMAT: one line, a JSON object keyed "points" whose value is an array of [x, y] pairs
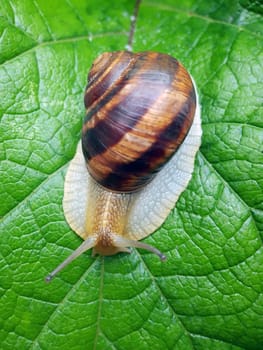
{"points": [[86, 245], [125, 242]]}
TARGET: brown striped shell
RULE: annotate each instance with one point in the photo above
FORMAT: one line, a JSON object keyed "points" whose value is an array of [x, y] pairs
{"points": [[139, 109]]}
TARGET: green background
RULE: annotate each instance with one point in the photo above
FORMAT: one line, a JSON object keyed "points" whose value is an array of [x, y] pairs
{"points": [[208, 294]]}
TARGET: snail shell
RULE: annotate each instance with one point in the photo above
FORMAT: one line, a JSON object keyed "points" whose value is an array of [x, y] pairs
{"points": [[139, 139]]}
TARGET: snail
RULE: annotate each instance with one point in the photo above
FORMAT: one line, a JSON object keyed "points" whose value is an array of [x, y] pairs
{"points": [[139, 140]]}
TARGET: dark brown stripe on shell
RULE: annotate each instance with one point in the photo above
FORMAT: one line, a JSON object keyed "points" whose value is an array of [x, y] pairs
{"points": [[105, 71], [102, 94]]}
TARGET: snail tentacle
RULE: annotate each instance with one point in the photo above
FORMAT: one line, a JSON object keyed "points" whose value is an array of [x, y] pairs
{"points": [[86, 245], [124, 242]]}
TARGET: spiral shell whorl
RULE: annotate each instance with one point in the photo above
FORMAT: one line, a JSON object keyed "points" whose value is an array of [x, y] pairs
{"points": [[139, 108]]}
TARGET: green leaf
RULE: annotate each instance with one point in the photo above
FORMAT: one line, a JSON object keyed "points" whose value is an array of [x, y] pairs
{"points": [[208, 294]]}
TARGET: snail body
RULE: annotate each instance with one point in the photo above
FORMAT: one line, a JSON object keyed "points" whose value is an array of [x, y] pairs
{"points": [[139, 139]]}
